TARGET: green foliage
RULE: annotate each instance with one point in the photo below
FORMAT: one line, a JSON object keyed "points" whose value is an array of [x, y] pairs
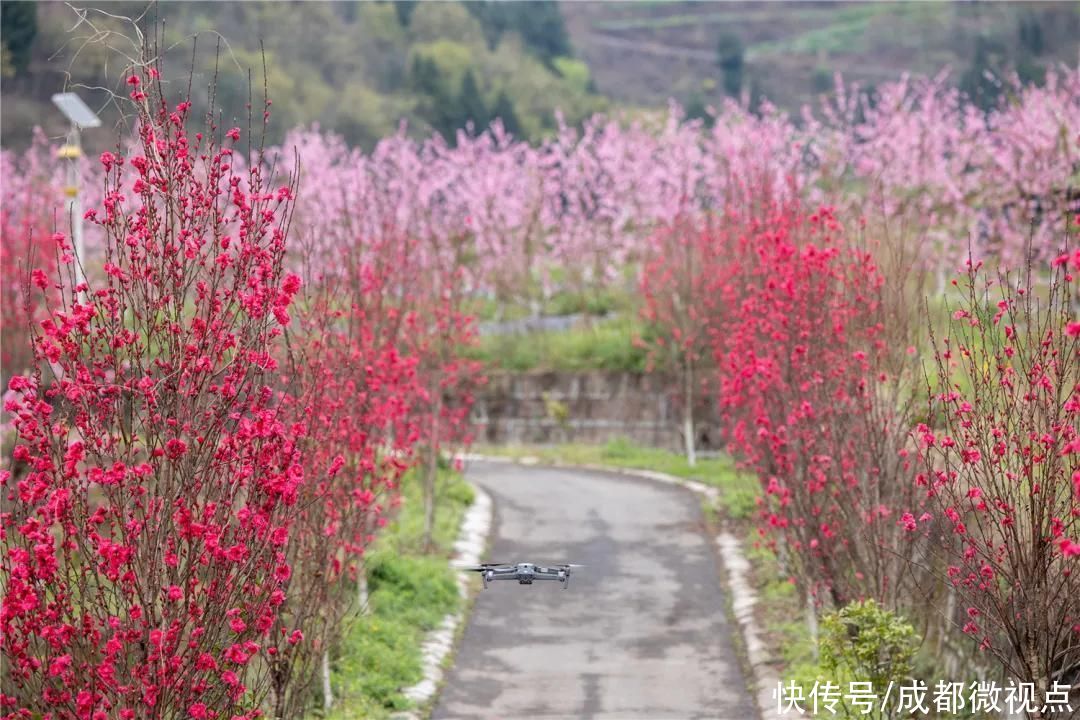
{"points": [[575, 72], [471, 107], [860, 642], [19, 20], [540, 25], [381, 650], [1030, 33], [354, 68], [604, 345], [557, 411], [409, 594], [503, 110], [412, 589], [729, 58], [867, 642], [980, 81]]}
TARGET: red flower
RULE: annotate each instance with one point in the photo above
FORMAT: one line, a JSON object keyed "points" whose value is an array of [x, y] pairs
{"points": [[1069, 548], [175, 448], [60, 665]]}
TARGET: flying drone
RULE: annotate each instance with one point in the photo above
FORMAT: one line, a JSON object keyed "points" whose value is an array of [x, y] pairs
{"points": [[524, 573]]}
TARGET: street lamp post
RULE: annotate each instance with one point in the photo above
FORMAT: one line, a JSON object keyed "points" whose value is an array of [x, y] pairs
{"points": [[80, 116]]}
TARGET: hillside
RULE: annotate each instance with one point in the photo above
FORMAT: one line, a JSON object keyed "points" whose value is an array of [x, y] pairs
{"points": [[359, 68], [644, 53]]}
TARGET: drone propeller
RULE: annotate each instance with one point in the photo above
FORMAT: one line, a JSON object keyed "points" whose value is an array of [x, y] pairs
{"points": [[482, 567]]}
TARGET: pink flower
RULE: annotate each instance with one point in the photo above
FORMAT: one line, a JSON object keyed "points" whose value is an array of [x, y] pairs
{"points": [[233, 134], [1073, 329], [175, 593], [198, 711]]}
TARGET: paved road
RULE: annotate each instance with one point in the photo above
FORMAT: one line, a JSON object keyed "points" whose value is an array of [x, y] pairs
{"points": [[640, 633]]}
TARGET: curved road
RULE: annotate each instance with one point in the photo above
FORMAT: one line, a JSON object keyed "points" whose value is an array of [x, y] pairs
{"points": [[641, 632]]}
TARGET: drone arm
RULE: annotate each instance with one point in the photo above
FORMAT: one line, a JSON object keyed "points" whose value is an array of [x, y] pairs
{"points": [[549, 574]]}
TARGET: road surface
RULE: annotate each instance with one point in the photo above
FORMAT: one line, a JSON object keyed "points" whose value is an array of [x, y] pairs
{"points": [[641, 633]]}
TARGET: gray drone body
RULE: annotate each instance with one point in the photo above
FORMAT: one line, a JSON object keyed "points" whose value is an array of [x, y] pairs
{"points": [[524, 573]]}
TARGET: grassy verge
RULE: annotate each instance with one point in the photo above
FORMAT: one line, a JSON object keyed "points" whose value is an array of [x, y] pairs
{"points": [[599, 345], [410, 592]]}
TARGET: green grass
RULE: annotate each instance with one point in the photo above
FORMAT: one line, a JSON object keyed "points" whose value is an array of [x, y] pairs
{"points": [[738, 490], [599, 345], [409, 594]]}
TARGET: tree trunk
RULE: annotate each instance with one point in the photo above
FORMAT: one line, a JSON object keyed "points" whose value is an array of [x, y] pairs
{"points": [[688, 413], [327, 693], [811, 621], [432, 473], [362, 591]]}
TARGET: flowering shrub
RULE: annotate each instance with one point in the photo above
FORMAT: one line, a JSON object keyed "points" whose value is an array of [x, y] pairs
{"points": [[675, 288], [359, 439], [30, 211], [808, 403], [149, 503], [1001, 469]]}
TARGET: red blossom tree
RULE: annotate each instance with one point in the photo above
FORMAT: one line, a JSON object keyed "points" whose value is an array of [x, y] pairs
{"points": [[147, 511], [29, 213], [676, 279], [812, 401], [359, 436], [1001, 471]]}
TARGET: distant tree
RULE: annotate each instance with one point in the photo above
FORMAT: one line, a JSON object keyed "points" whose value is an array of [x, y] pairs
{"points": [[822, 80], [404, 9], [504, 111], [540, 25], [1031, 34], [729, 58], [424, 75], [436, 102], [19, 20], [982, 81], [697, 109], [470, 105]]}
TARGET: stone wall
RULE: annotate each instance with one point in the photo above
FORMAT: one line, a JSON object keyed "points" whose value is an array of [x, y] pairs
{"points": [[588, 407]]}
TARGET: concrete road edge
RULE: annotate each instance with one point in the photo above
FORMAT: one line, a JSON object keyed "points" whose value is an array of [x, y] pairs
{"points": [[469, 547]]}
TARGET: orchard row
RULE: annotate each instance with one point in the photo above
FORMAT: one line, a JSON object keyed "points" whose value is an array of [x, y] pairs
{"points": [[208, 432]]}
